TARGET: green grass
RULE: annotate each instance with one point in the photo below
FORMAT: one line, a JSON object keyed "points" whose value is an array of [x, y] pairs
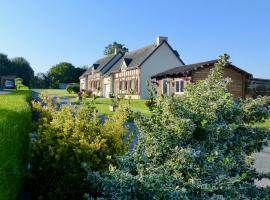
{"points": [[62, 93], [15, 126], [102, 104]]}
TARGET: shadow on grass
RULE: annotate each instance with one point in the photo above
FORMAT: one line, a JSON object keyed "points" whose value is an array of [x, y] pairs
{"points": [[14, 151]]}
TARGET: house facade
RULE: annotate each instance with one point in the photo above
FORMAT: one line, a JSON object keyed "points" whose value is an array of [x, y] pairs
{"points": [[127, 74], [173, 81], [93, 79]]}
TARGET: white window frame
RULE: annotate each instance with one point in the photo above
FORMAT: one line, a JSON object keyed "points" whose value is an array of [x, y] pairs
{"points": [[179, 80]]}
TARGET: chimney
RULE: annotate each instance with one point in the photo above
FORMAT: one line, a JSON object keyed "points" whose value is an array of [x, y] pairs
{"points": [[116, 50], [160, 39]]}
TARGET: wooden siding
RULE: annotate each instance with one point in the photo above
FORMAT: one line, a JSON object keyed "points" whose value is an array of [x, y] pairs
{"points": [[237, 87], [124, 80], [95, 82], [259, 87]]}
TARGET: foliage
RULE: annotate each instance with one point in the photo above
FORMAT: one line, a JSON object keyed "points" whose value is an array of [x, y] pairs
{"points": [[19, 84], [195, 146], [73, 87], [15, 126], [70, 138], [115, 102], [41, 80], [19, 67], [110, 49], [64, 73]]}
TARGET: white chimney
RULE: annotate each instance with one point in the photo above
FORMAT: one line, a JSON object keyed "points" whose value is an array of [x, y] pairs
{"points": [[116, 51], [160, 39]]}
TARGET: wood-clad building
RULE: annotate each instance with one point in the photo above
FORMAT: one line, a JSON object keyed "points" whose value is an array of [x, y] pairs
{"points": [[173, 81], [259, 87]]}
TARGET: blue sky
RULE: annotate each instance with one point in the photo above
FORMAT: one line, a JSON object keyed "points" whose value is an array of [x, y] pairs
{"points": [[49, 32]]}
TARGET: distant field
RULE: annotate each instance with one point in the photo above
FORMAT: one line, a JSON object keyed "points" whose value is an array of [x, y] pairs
{"points": [[15, 126], [102, 104]]}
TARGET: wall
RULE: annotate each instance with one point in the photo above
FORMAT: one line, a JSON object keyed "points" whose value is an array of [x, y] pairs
{"points": [[162, 59], [237, 87]]}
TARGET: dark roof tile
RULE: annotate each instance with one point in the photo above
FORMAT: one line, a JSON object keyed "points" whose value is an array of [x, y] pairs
{"points": [[192, 67]]}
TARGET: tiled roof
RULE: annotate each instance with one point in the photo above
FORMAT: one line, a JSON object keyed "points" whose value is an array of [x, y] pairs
{"points": [[134, 58], [192, 67], [99, 65]]}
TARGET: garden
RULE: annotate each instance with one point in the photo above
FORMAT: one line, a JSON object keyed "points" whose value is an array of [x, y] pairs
{"points": [[195, 146]]}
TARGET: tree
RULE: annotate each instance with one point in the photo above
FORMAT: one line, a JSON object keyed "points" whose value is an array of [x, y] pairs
{"points": [[110, 49], [64, 73], [19, 67], [22, 69], [41, 80], [5, 65], [195, 146]]}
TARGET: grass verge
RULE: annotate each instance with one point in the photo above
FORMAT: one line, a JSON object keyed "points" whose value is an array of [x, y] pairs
{"points": [[15, 126]]}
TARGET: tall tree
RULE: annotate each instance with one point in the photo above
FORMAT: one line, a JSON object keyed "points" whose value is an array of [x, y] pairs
{"points": [[5, 65], [41, 80], [110, 49], [19, 67], [22, 69], [64, 73]]}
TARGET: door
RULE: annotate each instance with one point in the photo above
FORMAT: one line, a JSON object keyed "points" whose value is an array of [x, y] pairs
{"points": [[166, 87], [106, 90]]}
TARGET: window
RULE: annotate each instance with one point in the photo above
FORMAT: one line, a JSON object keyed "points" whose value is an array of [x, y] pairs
{"points": [[179, 86], [123, 85], [165, 87], [132, 84]]}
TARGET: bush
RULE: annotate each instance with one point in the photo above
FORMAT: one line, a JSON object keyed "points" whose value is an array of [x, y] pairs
{"points": [[149, 103], [88, 93], [73, 87], [67, 143], [19, 84], [195, 146]]}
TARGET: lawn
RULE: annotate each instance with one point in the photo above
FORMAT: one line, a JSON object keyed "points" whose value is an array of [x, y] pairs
{"points": [[15, 126], [56, 92], [102, 104]]}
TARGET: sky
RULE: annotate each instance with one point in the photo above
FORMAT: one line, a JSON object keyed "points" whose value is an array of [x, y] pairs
{"points": [[76, 31]]}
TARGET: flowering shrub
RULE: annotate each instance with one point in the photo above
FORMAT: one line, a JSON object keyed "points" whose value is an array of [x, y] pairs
{"points": [[195, 146], [70, 139]]}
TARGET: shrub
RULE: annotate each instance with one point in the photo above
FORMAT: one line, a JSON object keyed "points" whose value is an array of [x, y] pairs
{"points": [[69, 140], [19, 84], [149, 103], [73, 87], [88, 93], [195, 146]]}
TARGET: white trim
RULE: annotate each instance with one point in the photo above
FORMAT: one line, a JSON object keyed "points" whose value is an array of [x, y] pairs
{"points": [[168, 86], [180, 80]]}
